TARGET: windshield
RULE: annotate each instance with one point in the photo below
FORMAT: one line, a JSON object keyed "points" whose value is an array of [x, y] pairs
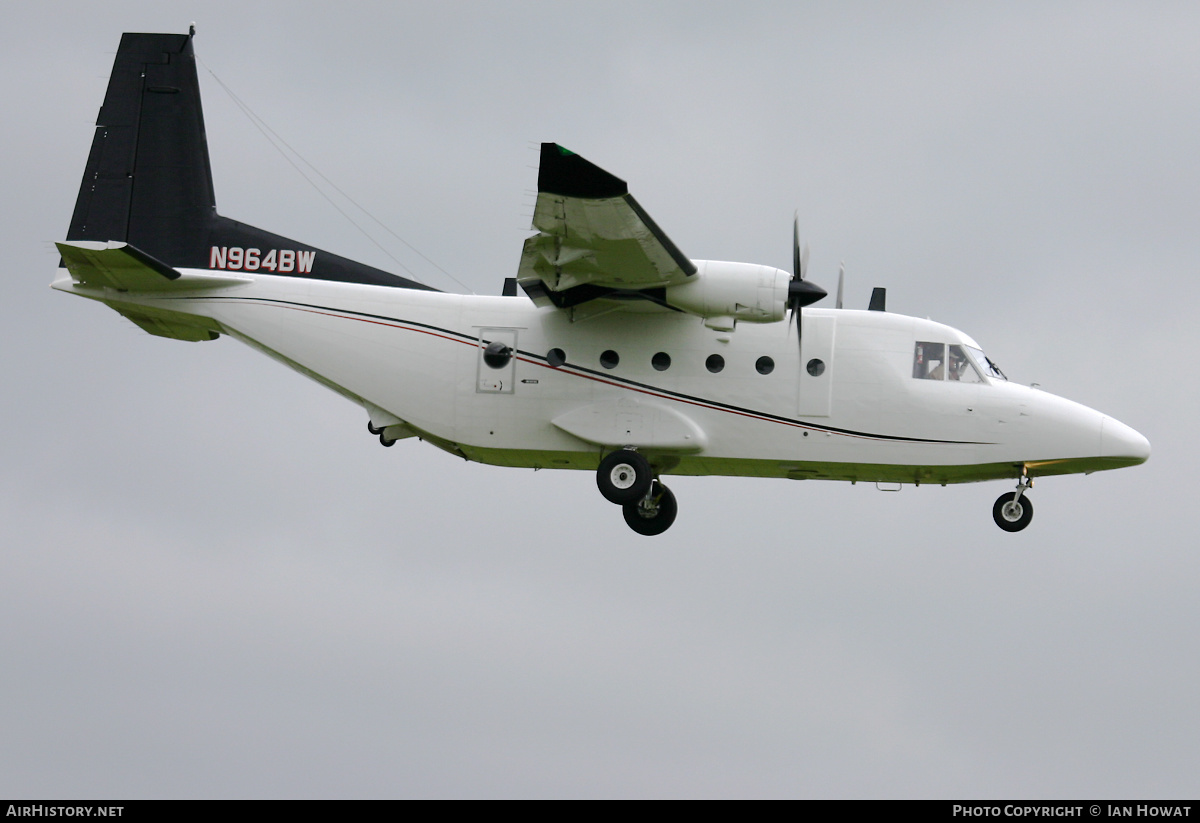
{"points": [[985, 364], [952, 362]]}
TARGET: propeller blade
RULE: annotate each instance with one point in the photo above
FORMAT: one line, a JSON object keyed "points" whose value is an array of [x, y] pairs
{"points": [[797, 267], [800, 292]]}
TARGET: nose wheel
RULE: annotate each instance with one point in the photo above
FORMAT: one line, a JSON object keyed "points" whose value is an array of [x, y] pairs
{"points": [[1013, 511]]}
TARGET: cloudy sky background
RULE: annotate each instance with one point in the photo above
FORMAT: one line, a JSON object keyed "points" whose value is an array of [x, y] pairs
{"points": [[214, 582]]}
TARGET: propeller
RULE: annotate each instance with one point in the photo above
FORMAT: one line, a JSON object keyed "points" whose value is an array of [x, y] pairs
{"points": [[801, 292]]}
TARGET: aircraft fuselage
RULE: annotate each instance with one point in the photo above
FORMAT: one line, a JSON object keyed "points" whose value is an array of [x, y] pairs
{"points": [[693, 400]]}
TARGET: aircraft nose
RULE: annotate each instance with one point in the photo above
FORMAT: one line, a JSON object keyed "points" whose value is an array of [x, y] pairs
{"points": [[1120, 441]]}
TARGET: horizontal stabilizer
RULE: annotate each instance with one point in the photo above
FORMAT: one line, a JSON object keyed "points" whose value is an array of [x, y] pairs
{"points": [[117, 265], [164, 327]]}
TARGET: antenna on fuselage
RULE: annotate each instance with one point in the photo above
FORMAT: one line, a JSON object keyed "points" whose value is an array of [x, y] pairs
{"points": [[878, 299], [841, 278]]}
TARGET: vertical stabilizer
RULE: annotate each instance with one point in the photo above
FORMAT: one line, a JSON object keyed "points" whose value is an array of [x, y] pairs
{"points": [[148, 181]]}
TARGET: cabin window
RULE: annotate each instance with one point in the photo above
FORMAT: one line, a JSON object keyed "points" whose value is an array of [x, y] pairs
{"points": [[816, 367], [661, 361], [556, 357], [609, 359], [765, 365], [929, 361], [714, 363]]}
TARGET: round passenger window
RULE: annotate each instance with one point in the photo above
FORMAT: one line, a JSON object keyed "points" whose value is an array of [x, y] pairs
{"points": [[497, 354], [556, 357], [661, 361], [714, 363], [816, 367], [609, 359], [765, 365]]}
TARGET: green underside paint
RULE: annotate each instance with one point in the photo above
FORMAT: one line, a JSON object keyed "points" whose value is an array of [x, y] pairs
{"points": [[796, 470]]}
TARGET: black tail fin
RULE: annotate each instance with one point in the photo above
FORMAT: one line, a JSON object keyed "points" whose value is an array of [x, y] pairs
{"points": [[148, 181]]}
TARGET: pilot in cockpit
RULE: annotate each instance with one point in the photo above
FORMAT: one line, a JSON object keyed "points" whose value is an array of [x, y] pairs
{"points": [[961, 368], [940, 361], [958, 362]]}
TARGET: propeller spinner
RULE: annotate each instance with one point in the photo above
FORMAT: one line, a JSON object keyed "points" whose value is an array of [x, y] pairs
{"points": [[801, 292]]}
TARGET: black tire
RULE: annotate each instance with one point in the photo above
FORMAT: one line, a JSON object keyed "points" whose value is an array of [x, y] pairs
{"points": [[624, 477], [385, 441], [656, 523], [371, 428], [1010, 516]]}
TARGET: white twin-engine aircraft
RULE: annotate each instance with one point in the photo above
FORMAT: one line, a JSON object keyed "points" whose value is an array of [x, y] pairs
{"points": [[623, 356]]}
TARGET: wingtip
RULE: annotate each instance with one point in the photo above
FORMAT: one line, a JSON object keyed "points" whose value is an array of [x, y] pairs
{"points": [[562, 171]]}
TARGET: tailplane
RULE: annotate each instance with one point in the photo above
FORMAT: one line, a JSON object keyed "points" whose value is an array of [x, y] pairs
{"points": [[148, 181]]}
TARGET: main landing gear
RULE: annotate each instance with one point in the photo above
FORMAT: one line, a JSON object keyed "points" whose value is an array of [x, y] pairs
{"points": [[626, 479], [383, 438], [654, 513], [1013, 510]]}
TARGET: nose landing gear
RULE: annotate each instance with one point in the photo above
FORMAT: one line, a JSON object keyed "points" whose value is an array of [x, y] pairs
{"points": [[1013, 511]]}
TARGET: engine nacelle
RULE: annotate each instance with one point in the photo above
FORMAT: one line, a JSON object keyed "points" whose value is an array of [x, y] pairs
{"points": [[723, 293]]}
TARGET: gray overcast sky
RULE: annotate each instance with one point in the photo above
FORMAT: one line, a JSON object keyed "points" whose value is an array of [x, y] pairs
{"points": [[214, 582]]}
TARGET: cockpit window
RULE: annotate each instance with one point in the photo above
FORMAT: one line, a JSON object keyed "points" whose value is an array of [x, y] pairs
{"points": [[929, 361], [984, 363], [962, 369], [960, 364]]}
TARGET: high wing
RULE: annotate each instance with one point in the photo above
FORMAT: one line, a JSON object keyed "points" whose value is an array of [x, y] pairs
{"points": [[593, 239]]}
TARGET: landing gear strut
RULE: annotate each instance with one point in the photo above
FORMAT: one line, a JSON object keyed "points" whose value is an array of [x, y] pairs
{"points": [[1013, 511], [654, 513]]}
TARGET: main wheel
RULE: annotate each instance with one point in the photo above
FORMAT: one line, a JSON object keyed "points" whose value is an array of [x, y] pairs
{"points": [[371, 428], [1011, 514], [383, 438], [655, 518], [624, 477]]}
